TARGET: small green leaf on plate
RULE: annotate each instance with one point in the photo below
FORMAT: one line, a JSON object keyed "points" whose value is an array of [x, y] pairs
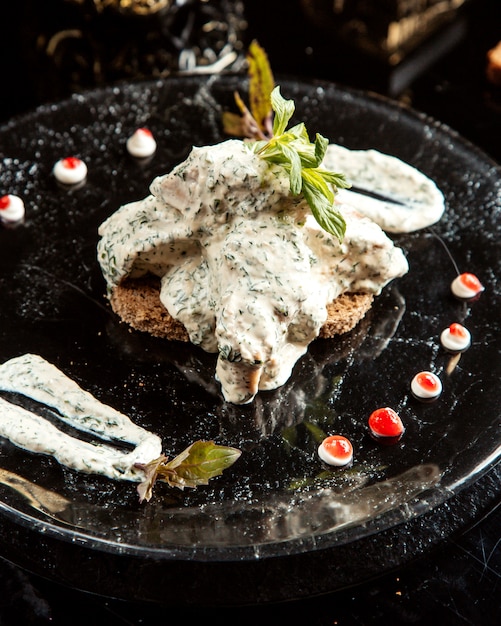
{"points": [[196, 465]]}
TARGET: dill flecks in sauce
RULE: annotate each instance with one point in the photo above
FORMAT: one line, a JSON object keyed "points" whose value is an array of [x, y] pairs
{"points": [[35, 378], [243, 264]]}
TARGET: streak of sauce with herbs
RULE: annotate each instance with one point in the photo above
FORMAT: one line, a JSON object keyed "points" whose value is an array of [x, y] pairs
{"points": [[35, 378], [401, 198]]}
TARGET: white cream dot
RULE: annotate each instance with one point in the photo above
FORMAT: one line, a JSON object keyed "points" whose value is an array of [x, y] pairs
{"points": [[328, 455], [70, 171], [11, 209], [466, 289], [455, 342], [426, 386], [141, 144]]}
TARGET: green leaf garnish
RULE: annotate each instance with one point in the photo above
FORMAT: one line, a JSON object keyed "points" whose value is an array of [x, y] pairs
{"points": [[194, 466], [254, 122], [301, 159], [291, 149], [284, 110], [261, 83]]}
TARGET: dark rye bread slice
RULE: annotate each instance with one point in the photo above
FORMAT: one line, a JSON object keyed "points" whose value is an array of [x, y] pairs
{"points": [[137, 302]]}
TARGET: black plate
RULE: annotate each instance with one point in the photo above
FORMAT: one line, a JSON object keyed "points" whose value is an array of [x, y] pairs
{"points": [[276, 525]]}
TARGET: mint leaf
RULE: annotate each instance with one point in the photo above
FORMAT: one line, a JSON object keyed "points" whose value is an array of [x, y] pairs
{"points": [[291, 149], [255, 123], [150, 470], [284, 110], [292, 162], [301, 159], [323, 210], [198, 464], [321, 145]]}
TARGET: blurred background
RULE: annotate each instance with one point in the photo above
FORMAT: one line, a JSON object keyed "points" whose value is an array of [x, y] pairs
{"points": [[415, 51]]}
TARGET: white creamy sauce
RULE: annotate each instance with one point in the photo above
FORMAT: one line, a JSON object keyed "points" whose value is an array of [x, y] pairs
{"points": [[243, 264], [413, 201], [35, 378]]}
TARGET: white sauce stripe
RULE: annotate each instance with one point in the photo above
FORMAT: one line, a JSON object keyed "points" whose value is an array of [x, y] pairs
{"points": [[34, 433], [414, 200], [32, 376]]}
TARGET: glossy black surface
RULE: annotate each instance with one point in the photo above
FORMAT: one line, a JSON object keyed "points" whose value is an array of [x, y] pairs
{"points": [[255, 522]]}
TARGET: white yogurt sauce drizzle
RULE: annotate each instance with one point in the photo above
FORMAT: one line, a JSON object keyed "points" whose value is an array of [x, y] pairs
{"points": [[243, 264], [414, 201], [33, 377]]}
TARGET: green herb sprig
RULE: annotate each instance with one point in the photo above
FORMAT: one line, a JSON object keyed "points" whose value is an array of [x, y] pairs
{"points": [[301, 159], [266, 121], [256, 121], [194, 466]]}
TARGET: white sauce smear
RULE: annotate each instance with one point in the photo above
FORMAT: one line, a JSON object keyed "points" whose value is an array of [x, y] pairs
{"points": [[35, 378], [411, 200]]}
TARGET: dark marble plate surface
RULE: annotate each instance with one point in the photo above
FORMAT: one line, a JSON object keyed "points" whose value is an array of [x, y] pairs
{"points": [[277, 514]]}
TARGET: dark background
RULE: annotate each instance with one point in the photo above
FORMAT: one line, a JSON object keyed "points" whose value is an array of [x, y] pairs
{"points": [[445, 78], [459, 581]]}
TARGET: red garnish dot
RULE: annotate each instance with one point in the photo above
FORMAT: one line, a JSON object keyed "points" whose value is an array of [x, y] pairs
{"points": [[4, 202], [145, 131], [385, 422], [427, 381], [338, 445], [426, 386], [466, 286], [336, 450], [457, 330], [471, 282], [71, 163]]}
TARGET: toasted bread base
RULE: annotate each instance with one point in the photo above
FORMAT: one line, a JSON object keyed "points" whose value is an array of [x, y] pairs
{"points": [[137, 302]]}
